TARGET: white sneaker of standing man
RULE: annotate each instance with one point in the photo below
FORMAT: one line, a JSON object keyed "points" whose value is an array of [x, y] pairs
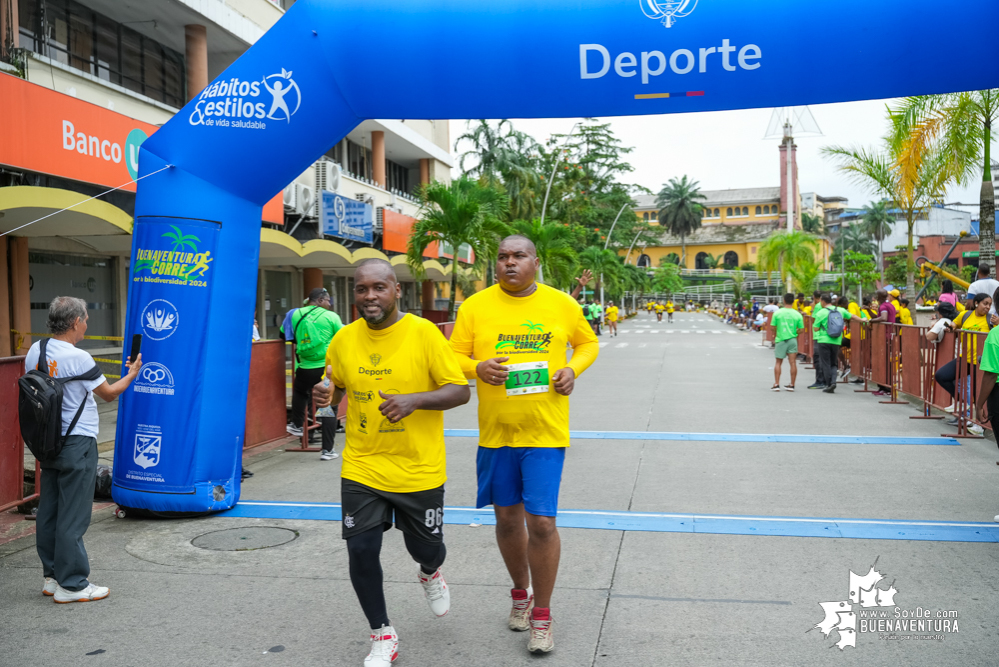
{"points": [[88, 594]]}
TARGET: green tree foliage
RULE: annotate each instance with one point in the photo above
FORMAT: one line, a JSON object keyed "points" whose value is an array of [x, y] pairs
{"points": [[785, 251], [462, 212], [962, 125], [854, 238], [861, 272], [605, 266], [680, 210], [805, 275], [554, 245], [895, 269], [748, 266], [812, 223], [666, 279]]}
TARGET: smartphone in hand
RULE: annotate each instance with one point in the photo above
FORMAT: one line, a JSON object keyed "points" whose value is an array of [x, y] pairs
{"points": [[136, 348]]}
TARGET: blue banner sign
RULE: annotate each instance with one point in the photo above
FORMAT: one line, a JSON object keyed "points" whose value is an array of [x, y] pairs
{"points": [[347, 218], [170, 291]]}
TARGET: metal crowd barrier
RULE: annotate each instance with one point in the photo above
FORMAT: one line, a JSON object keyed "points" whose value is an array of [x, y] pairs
{"points": [[11, 444]]}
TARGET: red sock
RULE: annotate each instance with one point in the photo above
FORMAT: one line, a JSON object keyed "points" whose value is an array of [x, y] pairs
{"points": [[518, 593], [541, 614]]}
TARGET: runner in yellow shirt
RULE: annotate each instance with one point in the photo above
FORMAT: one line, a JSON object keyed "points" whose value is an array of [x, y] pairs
{"points": [[659, 311], [610, 315], [523, 418], [669, 310], [399, 374]]}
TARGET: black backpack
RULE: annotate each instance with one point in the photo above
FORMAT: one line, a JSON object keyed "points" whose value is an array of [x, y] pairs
{"points": [[39, 407]]}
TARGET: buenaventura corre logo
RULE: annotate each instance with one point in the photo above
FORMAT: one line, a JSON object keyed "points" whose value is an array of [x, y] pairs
{"points": [[667, 11]]}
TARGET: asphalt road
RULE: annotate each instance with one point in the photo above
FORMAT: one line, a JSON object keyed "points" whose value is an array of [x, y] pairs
{"points": [[717, 594]]}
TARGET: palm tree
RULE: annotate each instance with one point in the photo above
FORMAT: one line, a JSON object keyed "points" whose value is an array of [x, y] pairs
{"points": [[963, 124], [878, 221], [784, 251], [680, 210], [603, 263], [464, 212], [554, 246], [489, 147], [911, 174], [805, 275], [812, 223]]}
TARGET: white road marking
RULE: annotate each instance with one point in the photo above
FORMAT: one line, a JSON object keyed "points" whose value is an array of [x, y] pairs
{"points": [[642, 345], [604, 344], [621, 345]]}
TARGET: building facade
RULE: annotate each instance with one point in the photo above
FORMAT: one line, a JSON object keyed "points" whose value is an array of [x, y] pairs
{"points": [[84, 82]]}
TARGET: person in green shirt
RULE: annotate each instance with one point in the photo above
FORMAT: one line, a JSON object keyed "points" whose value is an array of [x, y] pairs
{"points": [[313, 327], [826, 345], [988, 398], [787, 322]]}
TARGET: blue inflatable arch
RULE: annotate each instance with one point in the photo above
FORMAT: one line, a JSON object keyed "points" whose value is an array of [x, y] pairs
{"points": [[309, 81]]}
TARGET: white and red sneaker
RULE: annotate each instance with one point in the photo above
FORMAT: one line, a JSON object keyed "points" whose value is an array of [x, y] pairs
{"points": [[384, 647], [520, 613], [542, 640], [436, 591]]}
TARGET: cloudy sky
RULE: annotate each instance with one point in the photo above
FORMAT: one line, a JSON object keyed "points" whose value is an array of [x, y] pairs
{"points": [[726, 149]]}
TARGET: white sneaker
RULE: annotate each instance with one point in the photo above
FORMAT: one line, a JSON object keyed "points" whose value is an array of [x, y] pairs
{"points": [[88, 594], [384, 647], [328, 455], [294, 430], [996, 518], [976, 429], [436, 591], [541, 640], [949, 408], [50, 586], [520, 613]]}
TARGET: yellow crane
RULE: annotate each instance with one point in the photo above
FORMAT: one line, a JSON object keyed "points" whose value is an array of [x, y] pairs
{"points": [[927, 266]]}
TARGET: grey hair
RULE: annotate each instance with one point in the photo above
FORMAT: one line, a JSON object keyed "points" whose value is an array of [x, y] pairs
{"points": [[63, 313]]}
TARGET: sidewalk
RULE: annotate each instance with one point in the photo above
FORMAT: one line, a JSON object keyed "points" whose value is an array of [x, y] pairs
{"points": [[702, 588]]}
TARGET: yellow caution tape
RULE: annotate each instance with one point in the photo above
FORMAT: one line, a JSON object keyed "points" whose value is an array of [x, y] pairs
{"points": [[48, 335]]}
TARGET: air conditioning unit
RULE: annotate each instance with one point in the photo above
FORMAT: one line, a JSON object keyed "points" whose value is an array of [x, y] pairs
{"points": [[299, 198], [327, 178]]}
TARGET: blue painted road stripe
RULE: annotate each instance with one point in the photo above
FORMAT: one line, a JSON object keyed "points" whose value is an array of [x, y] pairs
{"points": [[715, 524], [731, 437]]}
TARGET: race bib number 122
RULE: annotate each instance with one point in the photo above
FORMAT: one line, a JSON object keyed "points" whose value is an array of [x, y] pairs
{"points": [[527, 378]]}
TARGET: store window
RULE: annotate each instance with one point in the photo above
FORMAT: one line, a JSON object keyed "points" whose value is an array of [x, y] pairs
{"points": [[71, 34], [396, 177], [358, 160]]}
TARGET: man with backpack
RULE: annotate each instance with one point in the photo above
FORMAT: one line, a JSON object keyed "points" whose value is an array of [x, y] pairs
{"points": [[312, 328], [828, 328], [59, 422]]}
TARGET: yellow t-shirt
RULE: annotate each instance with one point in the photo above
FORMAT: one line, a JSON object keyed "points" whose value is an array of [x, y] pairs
{"points": [[895, 303], [408, 357], [972, 322], [611, 313], [535, 328], [904, 316], [807, 310], [669, 307], [660, 308]]}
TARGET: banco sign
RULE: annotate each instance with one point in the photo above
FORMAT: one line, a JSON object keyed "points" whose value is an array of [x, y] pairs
{"points": [[234, 103]]}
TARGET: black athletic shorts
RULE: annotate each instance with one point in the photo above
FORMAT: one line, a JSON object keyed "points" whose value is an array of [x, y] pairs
{"points": [[420, 514]]}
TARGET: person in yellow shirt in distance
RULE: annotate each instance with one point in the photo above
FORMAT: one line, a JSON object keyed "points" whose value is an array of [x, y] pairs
{"points": [[523, 419], [904, 316], [660, 308], [399, 374], [669, 310], [610, 315]]}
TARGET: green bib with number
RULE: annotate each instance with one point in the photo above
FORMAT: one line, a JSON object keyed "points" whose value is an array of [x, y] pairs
{"points": [[528, 378]]}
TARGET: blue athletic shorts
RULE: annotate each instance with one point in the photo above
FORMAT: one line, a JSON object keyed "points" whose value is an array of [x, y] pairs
{"points": [[513, 475]]}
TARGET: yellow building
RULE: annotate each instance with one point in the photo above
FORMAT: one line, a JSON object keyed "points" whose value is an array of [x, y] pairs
{"points": [[733, 244], [721, 206]]}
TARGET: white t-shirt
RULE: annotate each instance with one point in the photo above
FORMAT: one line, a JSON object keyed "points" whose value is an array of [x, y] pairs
{"points": [[938, 328], [67, 360], [770, 308], [986, 286]]}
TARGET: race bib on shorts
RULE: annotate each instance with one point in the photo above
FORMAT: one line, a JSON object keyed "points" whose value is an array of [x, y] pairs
{"points": [[527, 378]]}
